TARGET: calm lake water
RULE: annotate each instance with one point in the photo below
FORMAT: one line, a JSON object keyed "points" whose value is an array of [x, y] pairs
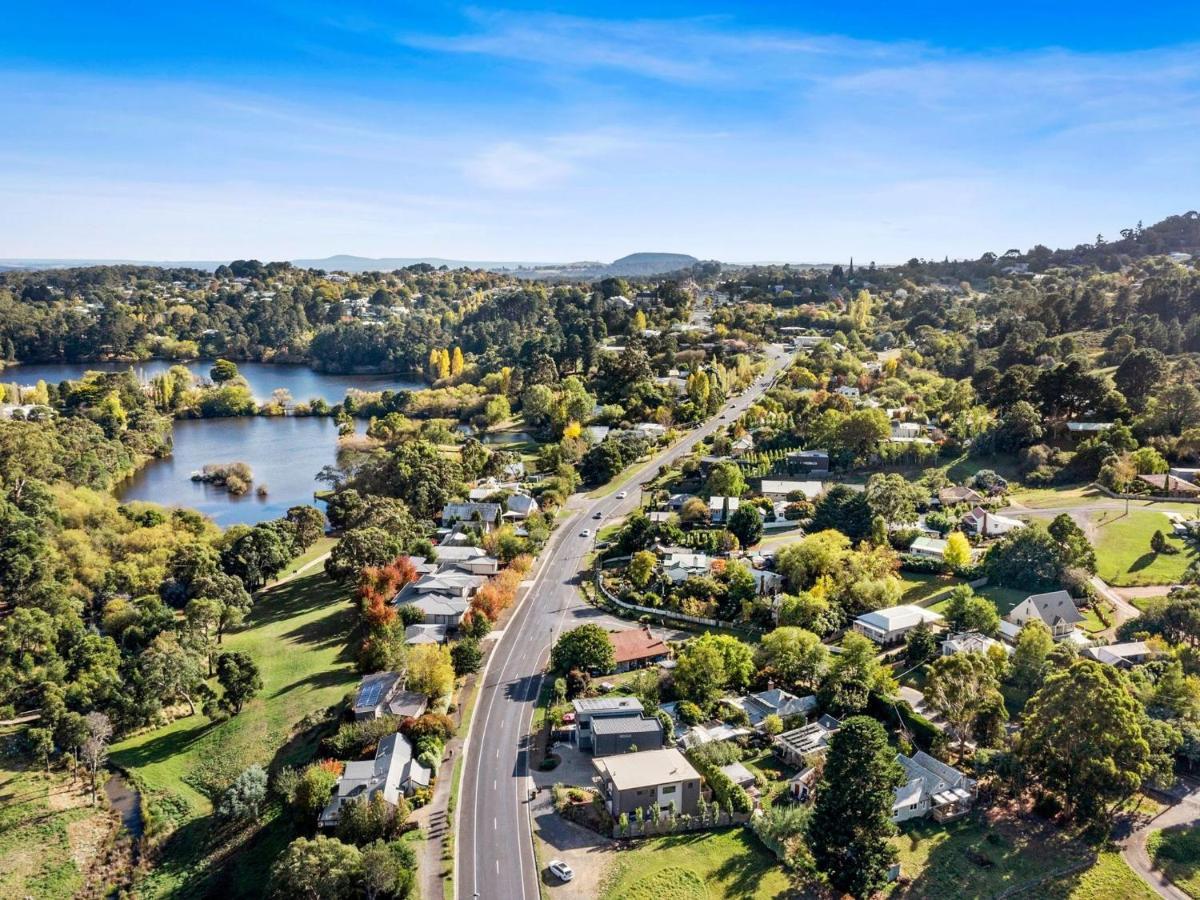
{"points": [[285, 454], [302, 382]]}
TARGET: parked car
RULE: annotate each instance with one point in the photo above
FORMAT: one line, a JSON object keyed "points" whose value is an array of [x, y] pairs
{"points": [[561, 870]]}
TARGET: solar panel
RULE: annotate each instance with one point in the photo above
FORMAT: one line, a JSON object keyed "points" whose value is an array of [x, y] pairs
{"points": [[370, 694]]}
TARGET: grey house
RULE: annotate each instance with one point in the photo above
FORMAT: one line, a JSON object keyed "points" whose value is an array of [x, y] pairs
{"points": [[621, 734], [587, 711], [659, 779]]}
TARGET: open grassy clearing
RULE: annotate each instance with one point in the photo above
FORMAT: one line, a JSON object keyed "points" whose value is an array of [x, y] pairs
{"points": [[298, 634], [1123, 549], [1004, 598], [920, 586], [706, 865], [322, 546], [972, 859], [49, 832], [1176, 852], [1108, 879]]}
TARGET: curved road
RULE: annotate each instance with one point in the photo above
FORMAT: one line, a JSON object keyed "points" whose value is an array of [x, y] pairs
{"points": [[494, 846]]}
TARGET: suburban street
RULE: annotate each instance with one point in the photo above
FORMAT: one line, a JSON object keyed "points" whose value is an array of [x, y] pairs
{"points": [[494, 847]]}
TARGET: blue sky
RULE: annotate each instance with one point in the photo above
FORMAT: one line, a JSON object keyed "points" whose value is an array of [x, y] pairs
{"points": [[760, 131]]}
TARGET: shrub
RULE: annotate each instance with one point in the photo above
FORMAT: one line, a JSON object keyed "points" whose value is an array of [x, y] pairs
{"points": [[690, 713], [357, 738], [435, 725]]}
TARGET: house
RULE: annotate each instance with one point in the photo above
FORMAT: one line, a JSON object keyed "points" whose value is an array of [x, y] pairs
{"points": [[955, 494], [890, 625], [987, 524], [847, 390], [928, 548], [968, 642], [636, 648], [784, 490], [651, 431], [766, 582], [1170, 486], [486, 513], [382, 694], [682, 566], [931, 786], [625, 734], [589, 709], [906, 430], [740, 775], [1086, 428], [698, 735], [720, 508], [596, 434], [742, 445], [809, 462], [425, 634], [795, 746], [520, 506], [442, 598], [662, 780], [1124, 656], [773, 702], [1056, 610], [1187, 474], [675, 501], [467, 558], [394, 773]]}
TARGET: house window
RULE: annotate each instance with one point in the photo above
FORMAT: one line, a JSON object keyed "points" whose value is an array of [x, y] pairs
{"points": [[669, 790]]}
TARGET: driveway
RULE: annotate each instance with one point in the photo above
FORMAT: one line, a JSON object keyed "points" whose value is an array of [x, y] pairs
{"points": [[1133, 848], [585, 851]]}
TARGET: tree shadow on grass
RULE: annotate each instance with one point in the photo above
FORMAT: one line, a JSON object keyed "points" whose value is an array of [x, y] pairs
{"points": [[1176, 852], [746, 869], [295, 598], [163, 746], [316, 680], [1143, 561]]}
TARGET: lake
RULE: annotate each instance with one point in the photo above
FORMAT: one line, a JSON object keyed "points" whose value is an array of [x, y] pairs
{"points": [[302, 382], [284, 452]]}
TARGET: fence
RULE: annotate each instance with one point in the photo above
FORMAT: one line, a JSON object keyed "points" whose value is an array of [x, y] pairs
{"points": [[1150, 498], [664, 613], [673, 824]]}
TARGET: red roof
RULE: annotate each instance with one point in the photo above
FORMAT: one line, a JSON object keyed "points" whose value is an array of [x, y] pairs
{"points": [[636, 643]]}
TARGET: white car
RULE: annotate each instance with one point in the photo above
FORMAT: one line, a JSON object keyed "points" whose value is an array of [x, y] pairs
{"points": [[585, 533], [621, 495], [560, 870]]}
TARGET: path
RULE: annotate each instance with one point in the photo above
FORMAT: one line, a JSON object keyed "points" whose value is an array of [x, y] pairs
{"points": [[494, 843], [1133, 847], [315, 561], [1123, 610]]}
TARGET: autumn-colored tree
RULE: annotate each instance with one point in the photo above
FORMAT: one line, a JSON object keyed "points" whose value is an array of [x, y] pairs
{"points": [[444, 364], [456, 362]]}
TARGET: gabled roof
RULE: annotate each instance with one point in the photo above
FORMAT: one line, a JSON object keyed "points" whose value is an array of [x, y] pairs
{"points": [[633, 644], [894, 617], [1054, 607], [465, 512]]}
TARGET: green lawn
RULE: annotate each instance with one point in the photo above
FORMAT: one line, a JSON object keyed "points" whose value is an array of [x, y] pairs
{"points": [[918, 586], [967, 859], [298, 634], [1004, 598], [1123, 548], [42, 819], [322, 546], [1109, 879], [1177, 853], [703, 865]]}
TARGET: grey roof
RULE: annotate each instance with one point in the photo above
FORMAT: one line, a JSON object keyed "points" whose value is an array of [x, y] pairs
{"points": [[926, 776], [607, 705], [424, 634], [809, 738], [407, 703], [389, 773], [1055, 605], [465, 512], [374, 689], [631, 724]]}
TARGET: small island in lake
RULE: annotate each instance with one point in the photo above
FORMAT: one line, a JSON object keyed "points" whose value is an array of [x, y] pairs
{"points": [[235, 477]]}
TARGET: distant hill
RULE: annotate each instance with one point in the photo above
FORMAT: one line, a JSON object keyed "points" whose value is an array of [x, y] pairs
{"points": [[636, 264], [343, 262]]}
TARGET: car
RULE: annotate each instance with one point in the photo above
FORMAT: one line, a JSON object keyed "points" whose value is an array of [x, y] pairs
{"points": [[621, 495], [598, 515], [561, 870], [585, 533]]}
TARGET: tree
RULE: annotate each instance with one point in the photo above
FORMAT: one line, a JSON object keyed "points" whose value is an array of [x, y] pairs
{"points": [[41, 744], [312, 788], [920, 645], [957, 554], [239, 676], [796, 657], [747, 524], [699, 674], [362, 547], [586, 647], [310, 525], [222, 371], [466, 656], [725, 479], [430, 670], [851, 823], [965, 611], [1092, 755], [1074, 548], [893, 497], [94, 751], [322, 868], [257, 556], [961, 687], [737, 659], [1140, 374], [1032, 647], [1026, 558], [693, 510], [859, 433], [243, 799], [388, 870], [641, 567], [853, 675], [172, 672], [843, 509]]}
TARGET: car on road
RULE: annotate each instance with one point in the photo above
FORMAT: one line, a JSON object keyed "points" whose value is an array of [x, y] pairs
{"points": [[561, 870], [598, 515], [621, 495], [585, 533]]}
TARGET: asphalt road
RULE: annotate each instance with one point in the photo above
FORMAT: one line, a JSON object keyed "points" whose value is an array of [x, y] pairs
{"points": [[494, 847]]}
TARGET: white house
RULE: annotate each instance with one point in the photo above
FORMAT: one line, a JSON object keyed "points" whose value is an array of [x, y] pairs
{"points": [[928, 548], [988, 524], [968, 642], [1124, 656], [650, 430], [847, 390], [887, 626], [909, 430], [393, 773], [931, 786], [682, 566], [720, 508], [521, 506], [781, 490], [1056, 610]]}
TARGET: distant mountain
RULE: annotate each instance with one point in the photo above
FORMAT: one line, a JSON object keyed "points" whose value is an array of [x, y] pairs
{"points": [[636, 264], [343, 262]]}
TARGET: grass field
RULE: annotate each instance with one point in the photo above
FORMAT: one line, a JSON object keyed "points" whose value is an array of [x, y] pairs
{"points": [[1177, 854], [1004, 598], [1109, 879], [919, 586], [699, 866], [48, 831], [967, 859], [298, 634], [1123, 548]]}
